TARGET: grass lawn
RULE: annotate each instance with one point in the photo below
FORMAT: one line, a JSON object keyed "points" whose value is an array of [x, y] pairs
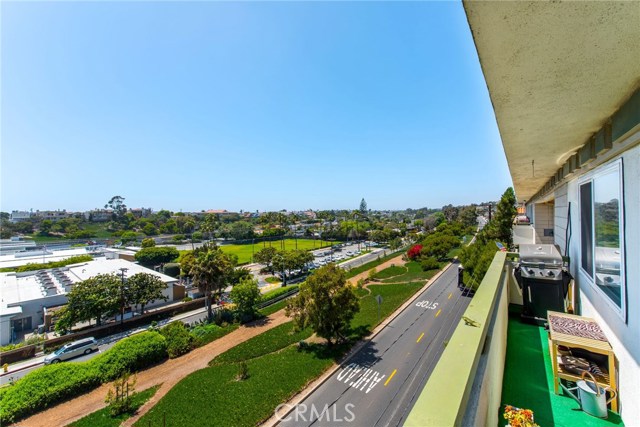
{"points": [[392, 297], [413, 273], [273, 308], [368, 266], [272, 279], [47, 239], [394, 270], [245, 252], [268, 342], [213, 397], [102, 418], [204, 334]]}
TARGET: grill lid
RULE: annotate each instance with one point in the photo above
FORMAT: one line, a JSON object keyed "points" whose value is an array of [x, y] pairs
{"points": [[540, 256]]}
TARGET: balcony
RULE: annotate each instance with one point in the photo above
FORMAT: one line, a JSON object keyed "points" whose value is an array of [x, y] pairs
{"points": [[493, 360]]}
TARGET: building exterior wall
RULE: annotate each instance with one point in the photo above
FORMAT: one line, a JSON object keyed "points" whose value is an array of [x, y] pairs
{"points": [[17, 216], [543, 220], [622, 328], [561, 212]]}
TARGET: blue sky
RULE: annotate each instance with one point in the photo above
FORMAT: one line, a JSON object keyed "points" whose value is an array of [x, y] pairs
{"points": [[249, 105]]}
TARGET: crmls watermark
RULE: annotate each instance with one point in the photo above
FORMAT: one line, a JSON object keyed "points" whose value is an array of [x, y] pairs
{"points": [[306, 413]]}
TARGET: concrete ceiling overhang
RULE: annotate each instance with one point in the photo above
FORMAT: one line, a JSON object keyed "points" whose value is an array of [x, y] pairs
{"points": [[556, 71]]}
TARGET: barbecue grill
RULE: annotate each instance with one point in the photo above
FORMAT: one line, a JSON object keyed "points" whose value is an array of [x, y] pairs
{"points": [[544, 282]]}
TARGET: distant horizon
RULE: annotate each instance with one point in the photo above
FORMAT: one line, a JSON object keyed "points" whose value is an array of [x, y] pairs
{"points": [[250, 105], [245, 210]]}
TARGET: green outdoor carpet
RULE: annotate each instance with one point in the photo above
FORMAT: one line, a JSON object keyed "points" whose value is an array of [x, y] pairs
{"points": [[528, 380]]}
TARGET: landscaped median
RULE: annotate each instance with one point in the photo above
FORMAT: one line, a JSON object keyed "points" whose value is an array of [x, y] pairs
{"points": [[278, 367]]}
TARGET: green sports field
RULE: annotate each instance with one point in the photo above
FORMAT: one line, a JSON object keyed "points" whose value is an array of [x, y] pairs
{"points": [[245, 252]]}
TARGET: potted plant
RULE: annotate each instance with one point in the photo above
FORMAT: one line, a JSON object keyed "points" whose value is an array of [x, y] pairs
{"points": [[518, 417]]}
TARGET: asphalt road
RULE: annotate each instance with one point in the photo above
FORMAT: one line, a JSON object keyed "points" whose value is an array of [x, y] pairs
{"points": [[380, 384]]}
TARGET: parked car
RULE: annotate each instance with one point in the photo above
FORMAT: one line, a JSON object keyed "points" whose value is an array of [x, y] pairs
{"points": [[71, 350]]}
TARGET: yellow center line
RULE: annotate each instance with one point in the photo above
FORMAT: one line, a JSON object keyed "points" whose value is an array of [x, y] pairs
{"points": [[438, 313], [420, 337], [450, 295], [390, 376]]}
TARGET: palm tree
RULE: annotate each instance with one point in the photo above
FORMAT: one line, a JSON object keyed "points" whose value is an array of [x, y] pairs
{"points": [[211, 271]]}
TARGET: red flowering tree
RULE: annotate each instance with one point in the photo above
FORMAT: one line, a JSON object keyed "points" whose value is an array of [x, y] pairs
{"points": [[414, 252]]}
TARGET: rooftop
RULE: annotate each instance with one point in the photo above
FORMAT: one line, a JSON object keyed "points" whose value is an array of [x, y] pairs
{"points": [[21, 287], [24, 258]]}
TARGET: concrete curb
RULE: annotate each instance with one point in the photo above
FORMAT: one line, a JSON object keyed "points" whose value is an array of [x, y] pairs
{"points": [[299, 397]]}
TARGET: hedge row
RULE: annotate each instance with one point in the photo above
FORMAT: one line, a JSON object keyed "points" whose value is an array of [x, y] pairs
{"points": [[51, 384], [268, 296], [53, 264]]}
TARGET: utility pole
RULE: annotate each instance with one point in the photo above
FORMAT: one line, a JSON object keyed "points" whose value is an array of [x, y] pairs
{"points": [[489, 212], [122, 272]]}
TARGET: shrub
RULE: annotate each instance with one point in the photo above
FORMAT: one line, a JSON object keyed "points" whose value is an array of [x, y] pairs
{"points": [[156, 255], [46, 386], [131, 354], [54, 264], [149, 242], [150, 230], [179, 341], [206, 332], [197, 236], [414, 252], [171, 269], [178, 238], [53, 383], [429, 263], [268, 296]]}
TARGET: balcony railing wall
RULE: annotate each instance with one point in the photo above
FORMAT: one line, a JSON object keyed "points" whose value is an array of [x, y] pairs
{"points": [[466, 384]]}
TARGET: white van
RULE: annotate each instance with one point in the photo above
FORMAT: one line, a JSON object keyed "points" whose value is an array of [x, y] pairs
{"points": [[71, 350]]}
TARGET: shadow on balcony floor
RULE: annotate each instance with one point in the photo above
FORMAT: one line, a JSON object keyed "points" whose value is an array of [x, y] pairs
{"points": [[528, 380]]}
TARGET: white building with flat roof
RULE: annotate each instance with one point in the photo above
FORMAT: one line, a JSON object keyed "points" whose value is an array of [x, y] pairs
{"points": [[24, 296]]}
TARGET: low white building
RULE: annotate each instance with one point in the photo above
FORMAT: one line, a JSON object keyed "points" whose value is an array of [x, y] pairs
{"points": [[24, 296]]}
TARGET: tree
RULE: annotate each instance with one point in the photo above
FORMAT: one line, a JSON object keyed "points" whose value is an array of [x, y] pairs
{"points": [[239, 275], [241, 230], [150, 230], [363, 207], [210, 224], [211, 271], [326, 303], [45, 227], [265, 256], [128, 236], [245, 296], [144, 288], [156, 255], [116, 203], [286, 261], [148, 243], [450, 212], [93, 298], [502, 222], [414, 252], [395, 243], [468, 216]]}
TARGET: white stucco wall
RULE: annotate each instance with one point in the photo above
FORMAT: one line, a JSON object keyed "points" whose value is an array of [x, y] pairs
{"points": [[623, 334]]}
